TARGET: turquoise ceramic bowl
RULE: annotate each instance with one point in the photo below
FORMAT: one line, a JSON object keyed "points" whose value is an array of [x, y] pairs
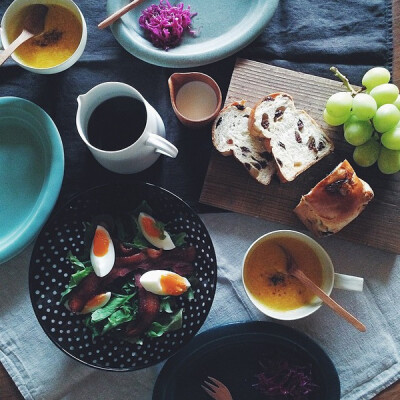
{"points": [[224, 27], [31, 172]]}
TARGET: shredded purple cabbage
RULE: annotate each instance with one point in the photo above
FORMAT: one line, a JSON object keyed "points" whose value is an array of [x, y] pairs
{"points": [[282, 379], [165, 24]]}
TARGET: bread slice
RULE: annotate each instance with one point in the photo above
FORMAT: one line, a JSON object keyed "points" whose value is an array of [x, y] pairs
{"points": [[230, 136], [335, 201], [295, 140]]}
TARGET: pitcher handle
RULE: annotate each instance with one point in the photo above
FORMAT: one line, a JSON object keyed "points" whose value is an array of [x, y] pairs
{"points": [[348, 282], [161, 145]]}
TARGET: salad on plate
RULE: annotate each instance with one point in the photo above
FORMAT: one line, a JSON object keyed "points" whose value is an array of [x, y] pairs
{"points": [[131, 277]]}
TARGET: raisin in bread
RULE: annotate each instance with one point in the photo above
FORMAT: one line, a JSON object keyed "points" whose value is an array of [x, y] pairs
{"points": [[335, 201], [295, 140], [230, 136]]}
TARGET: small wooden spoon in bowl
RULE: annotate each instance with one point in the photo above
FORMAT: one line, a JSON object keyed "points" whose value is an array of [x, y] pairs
{"points": [[33, 25], [293, 269]]}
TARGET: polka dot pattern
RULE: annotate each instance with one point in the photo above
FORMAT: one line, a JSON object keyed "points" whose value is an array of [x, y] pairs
{"points": [[49, 274]]}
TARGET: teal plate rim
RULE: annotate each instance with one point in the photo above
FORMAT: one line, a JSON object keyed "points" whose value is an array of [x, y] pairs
{"points": [[190, 53], [26, 232], [202, 357]]}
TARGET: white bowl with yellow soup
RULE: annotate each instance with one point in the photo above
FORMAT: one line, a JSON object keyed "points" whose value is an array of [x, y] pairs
{"points": [[58, 47], [281, 296]]}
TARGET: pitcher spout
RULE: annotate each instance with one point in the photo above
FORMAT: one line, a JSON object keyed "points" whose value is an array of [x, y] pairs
{"points": [[81, 99]]}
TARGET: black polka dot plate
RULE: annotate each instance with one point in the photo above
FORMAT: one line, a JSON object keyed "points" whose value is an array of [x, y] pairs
{"points": [[50, 271]]}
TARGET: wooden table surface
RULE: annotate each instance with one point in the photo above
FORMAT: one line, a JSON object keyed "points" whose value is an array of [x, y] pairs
{"points": [[8, 390]]}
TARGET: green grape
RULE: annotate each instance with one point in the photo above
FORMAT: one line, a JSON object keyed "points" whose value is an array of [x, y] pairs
{"points": [[386, 117], [335, 121], [389, 161], [357, 132], [367, 154], [339, 104], [397, 102], [375, 76], [385, 94], [364, 106], [391, 138]]}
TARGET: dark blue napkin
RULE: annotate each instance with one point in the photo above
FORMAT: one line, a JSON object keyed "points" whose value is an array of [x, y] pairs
{"points": [[310, 36], [304, 35]]}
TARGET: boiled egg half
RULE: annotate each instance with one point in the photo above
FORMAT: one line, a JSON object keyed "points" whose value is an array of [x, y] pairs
{"points": [[164, 283], [96, 302], [102, 253], [153, 233]]}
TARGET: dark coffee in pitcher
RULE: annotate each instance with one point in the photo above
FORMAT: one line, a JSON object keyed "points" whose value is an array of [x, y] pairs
{"points": [[117, 123]]}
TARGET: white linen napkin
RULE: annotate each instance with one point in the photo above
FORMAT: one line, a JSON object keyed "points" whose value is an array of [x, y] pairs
{"points": [[366, 362]]}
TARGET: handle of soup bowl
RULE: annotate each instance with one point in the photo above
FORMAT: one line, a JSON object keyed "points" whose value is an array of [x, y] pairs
{"points": [[348, 282], [161, 145]]}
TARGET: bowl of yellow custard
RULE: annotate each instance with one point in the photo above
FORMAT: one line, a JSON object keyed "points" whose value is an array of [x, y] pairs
{"points": [[280, 295], [58, 47]]}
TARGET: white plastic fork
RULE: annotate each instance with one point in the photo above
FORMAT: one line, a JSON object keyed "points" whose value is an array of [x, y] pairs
{"points": [[217, 390]]}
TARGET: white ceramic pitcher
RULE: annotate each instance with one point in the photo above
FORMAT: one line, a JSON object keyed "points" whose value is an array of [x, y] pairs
{"points": [[144, 151]]}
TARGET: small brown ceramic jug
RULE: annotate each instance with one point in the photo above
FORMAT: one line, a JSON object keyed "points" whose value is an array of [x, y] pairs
{"points": [[177, 81]]}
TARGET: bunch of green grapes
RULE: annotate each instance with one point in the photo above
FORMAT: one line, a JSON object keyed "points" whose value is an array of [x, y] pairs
{"points": [[371, 119]]}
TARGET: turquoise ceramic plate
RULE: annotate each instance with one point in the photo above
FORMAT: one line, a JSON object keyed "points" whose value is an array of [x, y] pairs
{"points": [[224, 26], [31, 172]]}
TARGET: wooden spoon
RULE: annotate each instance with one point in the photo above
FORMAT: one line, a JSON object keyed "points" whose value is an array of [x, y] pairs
{"points": [[293, 269], [118, 14], [33, 25]]}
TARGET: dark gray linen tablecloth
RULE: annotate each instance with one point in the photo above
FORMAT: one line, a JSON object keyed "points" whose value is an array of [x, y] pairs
{"points": [[304, 35]]}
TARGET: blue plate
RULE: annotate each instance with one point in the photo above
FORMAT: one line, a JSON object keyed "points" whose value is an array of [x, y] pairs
{"points": [[231, 354], [224, 26], [31, 172]]}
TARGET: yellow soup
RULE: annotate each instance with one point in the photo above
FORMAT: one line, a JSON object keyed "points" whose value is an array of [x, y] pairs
{"points": [[60, 39], [264, 279]]}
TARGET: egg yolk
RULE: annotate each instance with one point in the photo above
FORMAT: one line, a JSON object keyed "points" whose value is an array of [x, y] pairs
{"points": [[173, 285], [96, 301], [100, 243], [149, 226]]}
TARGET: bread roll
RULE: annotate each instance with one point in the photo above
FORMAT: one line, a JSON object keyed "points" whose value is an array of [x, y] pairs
{"points": [[335, 201]]}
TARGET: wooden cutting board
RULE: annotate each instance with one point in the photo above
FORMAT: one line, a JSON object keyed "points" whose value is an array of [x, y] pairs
{"points": [[228, 185]]}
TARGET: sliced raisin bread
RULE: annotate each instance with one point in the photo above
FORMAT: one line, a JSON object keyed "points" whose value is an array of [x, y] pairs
{"points": [[335, 201], [292, 136], [230, 136]]}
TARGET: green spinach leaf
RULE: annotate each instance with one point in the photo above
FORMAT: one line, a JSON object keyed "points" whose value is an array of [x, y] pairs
{"points": [[82, 271], [115, 303], [166, 323]]}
